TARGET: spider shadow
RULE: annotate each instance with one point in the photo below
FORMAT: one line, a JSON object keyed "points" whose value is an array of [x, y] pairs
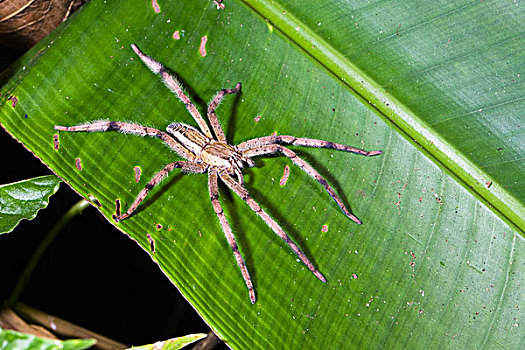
{"points": [[226, 197], [269, 206], [189, 91], [153, 198], [198, 101], [279, 217], [327, 175], [230, 128]]}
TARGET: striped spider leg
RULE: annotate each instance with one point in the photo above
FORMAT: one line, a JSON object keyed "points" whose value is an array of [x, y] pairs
{"points": [[204, 153], [272, 144]]}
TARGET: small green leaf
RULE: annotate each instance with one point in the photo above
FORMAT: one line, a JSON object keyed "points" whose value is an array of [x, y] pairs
{"points": [[23, 200], [19, 341], [172, 344]]}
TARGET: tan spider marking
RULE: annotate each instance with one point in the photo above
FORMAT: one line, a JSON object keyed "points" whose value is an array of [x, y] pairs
{"points": [[204, 153]]}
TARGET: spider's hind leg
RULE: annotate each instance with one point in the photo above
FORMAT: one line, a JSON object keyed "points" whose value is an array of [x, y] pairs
{"points": [[214, 197], [245, 196], [300, 141]]}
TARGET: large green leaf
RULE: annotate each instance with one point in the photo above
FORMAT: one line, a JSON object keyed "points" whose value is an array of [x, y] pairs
{"points": [[436, 87]]}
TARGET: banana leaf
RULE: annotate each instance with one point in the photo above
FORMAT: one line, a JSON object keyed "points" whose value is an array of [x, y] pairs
{"points": [[438, 261]]}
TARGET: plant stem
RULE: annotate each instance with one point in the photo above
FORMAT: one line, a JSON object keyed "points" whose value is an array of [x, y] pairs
{"points": [[76, 209]]}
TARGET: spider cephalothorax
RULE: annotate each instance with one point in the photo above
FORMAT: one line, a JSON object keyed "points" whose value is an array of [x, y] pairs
{"points": [[205, 153], [210, 152]]}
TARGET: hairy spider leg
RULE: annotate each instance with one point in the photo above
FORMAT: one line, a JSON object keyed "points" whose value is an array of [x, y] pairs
{"points": [[212, 117], [245, 196], [297, 141], [128, 128], [188, 167], [307, 168], [173, 84], [214, 197]]}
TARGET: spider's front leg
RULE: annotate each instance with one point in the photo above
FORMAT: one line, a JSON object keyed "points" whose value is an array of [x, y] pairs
{"points": [[173, 84], [212, 117], [186, 166]]}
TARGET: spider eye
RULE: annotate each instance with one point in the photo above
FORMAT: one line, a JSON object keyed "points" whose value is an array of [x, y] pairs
{"points": [[173, 127]]}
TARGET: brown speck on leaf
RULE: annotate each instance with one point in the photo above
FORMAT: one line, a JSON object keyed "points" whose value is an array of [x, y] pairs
{"points": [[286, 174], [413, 263], [202, 47], [176, 35], [155, 6], [94, 200], [489, 184], [159, 227], [56, 142], [398, 203], [151, 243], [324, 229], [78, 164], [397, 31], [117, 207], [257, 118], [220, 5], [138, 171], [13, 99]]}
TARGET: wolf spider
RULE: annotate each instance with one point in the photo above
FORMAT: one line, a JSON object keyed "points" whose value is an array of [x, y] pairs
{"points": [[214, 155]]}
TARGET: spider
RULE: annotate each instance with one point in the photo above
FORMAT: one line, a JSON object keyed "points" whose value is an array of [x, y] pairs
{"points": [[205, 153]]}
